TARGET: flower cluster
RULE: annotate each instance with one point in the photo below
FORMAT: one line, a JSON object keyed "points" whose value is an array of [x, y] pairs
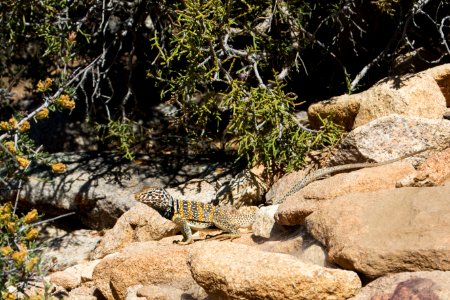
{"points": [[45, 85], [65, 102], [4, 126], [12, 124], [24, 127], [19, 261], [10, 146], [58, 168], [23, 162], [42, 114]]}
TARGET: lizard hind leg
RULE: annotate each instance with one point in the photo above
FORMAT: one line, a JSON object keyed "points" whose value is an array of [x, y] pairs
{"points": [[224, 220]]}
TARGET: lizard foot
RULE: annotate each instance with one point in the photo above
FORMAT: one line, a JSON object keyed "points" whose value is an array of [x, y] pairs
{"points": [[183, 242]]}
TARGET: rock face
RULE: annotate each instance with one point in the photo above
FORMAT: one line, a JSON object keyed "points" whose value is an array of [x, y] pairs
{"points": [[434, 285], [230, 271], [392, 136], [140, 223], [298, 206], [432, 172], [442, 76], [399, 95], [387, 231], [148, 263], [65, 249], [381, 140]]}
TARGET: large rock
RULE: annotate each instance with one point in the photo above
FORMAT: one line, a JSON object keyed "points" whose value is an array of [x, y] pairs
{"points": [[432, 172], [403, 95], [386, 231], [391, 137], [432, 285], [141, 223], [442, 76], [298, 206], [381, 140], [63, 249], [146, 263], [230, 271]]}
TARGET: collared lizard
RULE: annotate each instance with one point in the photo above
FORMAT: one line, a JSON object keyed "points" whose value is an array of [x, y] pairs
{"points": [[198, 215], [335, 169], [194, 214]]}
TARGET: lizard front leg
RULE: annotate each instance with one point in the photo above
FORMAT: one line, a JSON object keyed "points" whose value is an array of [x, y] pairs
{"points": [[185, 230]]}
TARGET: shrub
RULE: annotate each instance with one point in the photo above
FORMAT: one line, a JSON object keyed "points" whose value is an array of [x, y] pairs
{"points": [[19, 258], [197, 52]]}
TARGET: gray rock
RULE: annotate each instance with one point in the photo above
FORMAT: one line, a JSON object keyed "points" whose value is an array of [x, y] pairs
{"points": [[265, 224], [391, 137], [63, 249]]}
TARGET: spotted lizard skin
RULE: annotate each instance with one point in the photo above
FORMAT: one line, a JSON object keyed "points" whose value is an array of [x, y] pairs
{"points": [[195, 214]]}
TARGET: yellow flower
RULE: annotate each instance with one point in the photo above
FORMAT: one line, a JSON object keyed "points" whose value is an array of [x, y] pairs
{"points": [[19, 257], [4, 126], [30, 216], [31, 264], [11, 227], [24, 127], [59, 168], [31, 234], [23, 162], [10, 146], [12, 122], [7, 207], [42, 114], [5, 216], [5, 251], [9, 296], [65, 102], [42, 86]]}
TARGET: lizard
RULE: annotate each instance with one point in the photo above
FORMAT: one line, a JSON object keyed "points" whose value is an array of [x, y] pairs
{"points": [[330, 170], [195, 215]]}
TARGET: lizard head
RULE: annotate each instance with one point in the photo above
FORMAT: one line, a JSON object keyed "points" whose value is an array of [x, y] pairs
{"points": [[157, 198]]}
